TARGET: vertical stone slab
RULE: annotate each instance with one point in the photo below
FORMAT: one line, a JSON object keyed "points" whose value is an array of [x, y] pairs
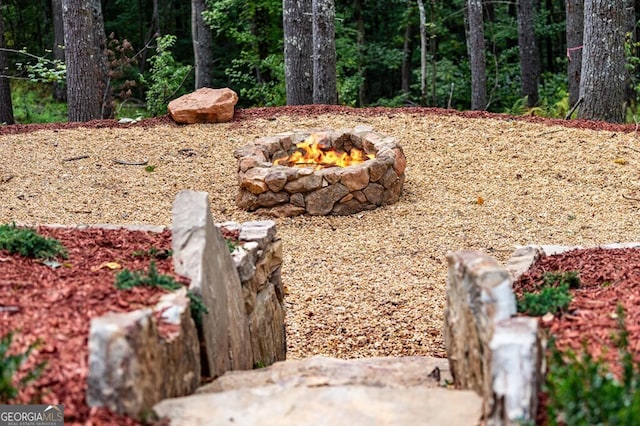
{"points": [[478, 295], [135, 362], [200, 253], [516, 370]]}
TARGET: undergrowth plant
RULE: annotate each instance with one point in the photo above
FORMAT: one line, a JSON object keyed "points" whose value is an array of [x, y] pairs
{"points": [[554, 296], [166, 77], [582, 391], [27, 242], [127, 279], [10, 383], [154, 253]]}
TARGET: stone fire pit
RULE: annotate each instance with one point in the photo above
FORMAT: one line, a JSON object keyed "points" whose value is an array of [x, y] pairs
{"points": [[320, 189]]}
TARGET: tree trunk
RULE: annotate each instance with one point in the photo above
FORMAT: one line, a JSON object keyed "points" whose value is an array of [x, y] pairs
{"points": [[362, 70], [298, 48], [6, 107], [83, 72], [324, 53], [59, 88], [407, 53], [529, 57], [433, 48], [423, 53], [107, 104], [476, 47], [575, 25], [603, 62], [202, 45]]}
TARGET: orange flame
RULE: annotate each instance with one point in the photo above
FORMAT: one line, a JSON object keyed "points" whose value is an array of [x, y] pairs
{"points": [[312, 154]]}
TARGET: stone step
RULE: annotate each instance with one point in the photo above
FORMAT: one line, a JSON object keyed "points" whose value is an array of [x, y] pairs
{"points": [[328, 391]]}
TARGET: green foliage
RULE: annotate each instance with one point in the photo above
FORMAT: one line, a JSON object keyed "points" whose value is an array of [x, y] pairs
{"points": [[253, 58], [570, 278], [10, 364], [267, 92], [166, 78], [34, 103], [631, 50], [153, 253], [198, 308], [43, 70], [582, 391], [553, 297], [127, 279], [231, 244], [27, 242]]}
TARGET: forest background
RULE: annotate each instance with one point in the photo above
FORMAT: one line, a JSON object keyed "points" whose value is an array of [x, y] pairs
{"points": [[381, 59]]}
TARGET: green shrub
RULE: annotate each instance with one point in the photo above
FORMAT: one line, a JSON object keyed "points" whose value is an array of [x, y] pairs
{"points": [[582, 391], [553, 297], [127, 279], [27, 242], [166, 77], [10, 384], [34, 103]]}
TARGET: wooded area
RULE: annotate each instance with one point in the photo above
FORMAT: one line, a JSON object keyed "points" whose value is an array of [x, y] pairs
{"points": [[522, 56]]}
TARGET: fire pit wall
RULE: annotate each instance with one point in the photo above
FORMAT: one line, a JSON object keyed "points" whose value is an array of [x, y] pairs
{"points": [[280, 191]]}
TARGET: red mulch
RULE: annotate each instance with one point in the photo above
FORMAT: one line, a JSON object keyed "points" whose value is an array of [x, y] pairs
{"points": [[242, 115], [608, 278], [56, 305]]}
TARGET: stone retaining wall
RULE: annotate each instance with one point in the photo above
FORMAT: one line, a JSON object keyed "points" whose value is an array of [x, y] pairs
{"points": [[490, 350], [132, 367]]}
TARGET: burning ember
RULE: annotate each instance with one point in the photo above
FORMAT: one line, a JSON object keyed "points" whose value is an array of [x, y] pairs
{"points": [[317, 151]]}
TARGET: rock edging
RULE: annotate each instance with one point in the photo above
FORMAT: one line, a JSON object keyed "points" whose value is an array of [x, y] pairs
{"points": [[498, 355], [138, 358]]}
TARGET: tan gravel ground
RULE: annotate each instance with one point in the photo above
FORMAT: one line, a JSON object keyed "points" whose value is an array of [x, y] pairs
{"points": [[371, 284]]}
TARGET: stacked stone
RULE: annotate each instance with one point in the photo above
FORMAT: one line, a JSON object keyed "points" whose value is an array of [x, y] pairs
{"points": [[258, 260], [281, 191], [139, 358]]}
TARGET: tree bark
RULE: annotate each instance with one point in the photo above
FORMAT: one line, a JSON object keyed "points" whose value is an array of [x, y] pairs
{"points": [[202, 39], [529, 56], [85, 82], [362, 70], [476, 48], [603, 61], [433, 47], [6, 106], [107, 104], [59, 88], [407, 53], [298, 51], [324, 53], [574, 25], [423, 53]]}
